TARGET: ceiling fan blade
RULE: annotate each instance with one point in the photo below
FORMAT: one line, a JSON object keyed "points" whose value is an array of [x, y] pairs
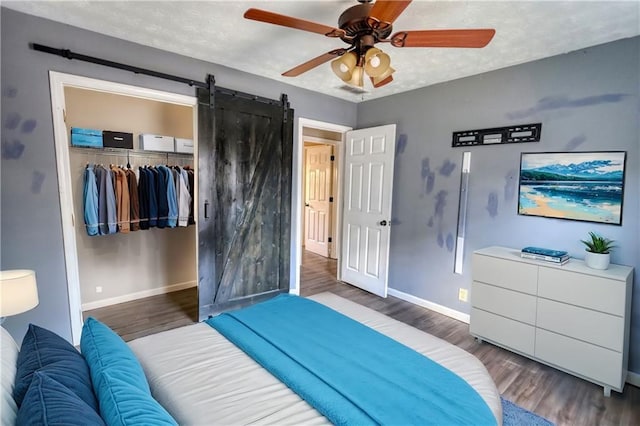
{"points": [[388, 10], [443, 38], [302, 68], [288, 21]]}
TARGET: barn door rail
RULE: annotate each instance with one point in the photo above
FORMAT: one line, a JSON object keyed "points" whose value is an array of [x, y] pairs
{"points": [[208, 85], [66, 53]]}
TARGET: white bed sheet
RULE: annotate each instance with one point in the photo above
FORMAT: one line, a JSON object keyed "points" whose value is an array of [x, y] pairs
{"points": [[203, 379]]}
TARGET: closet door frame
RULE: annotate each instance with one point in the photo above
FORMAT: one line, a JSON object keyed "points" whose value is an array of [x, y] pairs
{"points": [[58, 81]]}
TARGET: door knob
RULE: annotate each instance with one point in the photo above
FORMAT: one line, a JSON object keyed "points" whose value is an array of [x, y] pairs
{"points": [[306, 204], [383, 223]]}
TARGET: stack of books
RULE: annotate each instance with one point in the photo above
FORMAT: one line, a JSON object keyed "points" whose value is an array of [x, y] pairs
{"points": [[558, 257]]}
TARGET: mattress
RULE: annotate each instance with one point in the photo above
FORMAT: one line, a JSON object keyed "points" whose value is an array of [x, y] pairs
{"points": [[201, 378]]}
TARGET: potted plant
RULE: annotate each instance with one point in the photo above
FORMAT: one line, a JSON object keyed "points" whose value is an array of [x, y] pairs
{"points": [[598, 251]]}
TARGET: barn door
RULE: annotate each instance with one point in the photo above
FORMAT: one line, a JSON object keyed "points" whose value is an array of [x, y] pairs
{"points": [[244, 220]]}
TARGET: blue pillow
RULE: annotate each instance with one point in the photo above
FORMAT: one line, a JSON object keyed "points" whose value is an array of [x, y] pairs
{"points": [[104, 350], [43, 350], [48, 402], [124, 404]]}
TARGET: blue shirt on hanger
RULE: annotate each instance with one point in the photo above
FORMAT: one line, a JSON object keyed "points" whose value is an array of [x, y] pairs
{"points": [[90, 198]]}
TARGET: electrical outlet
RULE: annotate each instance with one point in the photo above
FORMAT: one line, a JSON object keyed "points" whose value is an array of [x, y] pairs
{"points": [[98, 289], [463, 294]]}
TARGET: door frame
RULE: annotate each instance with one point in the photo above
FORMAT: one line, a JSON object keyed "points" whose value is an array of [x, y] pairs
{"points": [[57, 83], [297, 193]]}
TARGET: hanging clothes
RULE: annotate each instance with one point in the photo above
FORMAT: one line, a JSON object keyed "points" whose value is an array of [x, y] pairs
{"points": [[172, 198], [90, 200], [176, 182], [116, 199], [154, 202], [101, 183], [112, 205], [184, 200], [161, 195], [143, 198], [122, 199], [191, 189], [107, 219], [134, 211]]}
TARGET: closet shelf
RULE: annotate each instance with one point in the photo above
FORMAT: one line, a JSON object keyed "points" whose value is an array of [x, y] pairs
{"points": [[131, 152]]}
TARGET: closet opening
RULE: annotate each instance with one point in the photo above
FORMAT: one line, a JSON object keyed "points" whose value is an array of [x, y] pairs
{"points": [[111, 268]]}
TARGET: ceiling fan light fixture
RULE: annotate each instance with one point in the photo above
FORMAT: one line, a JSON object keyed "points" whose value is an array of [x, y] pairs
{"points": [[361, 27], [357, 77], [344, 66], [376, 82], [384, 78], [376, 62]]}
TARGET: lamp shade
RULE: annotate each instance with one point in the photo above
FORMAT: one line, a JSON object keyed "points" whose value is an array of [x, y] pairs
{"points": [[344, 65], [18, 291], [383, 79], [376, 62], [357, 77]]}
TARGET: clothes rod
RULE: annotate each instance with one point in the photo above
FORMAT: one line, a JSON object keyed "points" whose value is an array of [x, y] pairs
{"points": [[66, 53], [139, 154]]}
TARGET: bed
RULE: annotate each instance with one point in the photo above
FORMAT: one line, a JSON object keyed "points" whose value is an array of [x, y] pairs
{"points": [[200, 377], [194, 375]]}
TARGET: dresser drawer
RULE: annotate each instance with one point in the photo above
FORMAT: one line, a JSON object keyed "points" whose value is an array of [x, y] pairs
{"points": [[507, 332], [508, 303], [601, 294], [593, 362], [512, 275], [591, 326]]}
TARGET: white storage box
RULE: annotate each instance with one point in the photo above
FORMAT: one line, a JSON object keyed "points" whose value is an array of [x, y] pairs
{"points": [[184, 145], [156, 143]]}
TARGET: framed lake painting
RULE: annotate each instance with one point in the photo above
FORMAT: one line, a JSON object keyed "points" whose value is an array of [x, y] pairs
{"points": [[586, 186]]}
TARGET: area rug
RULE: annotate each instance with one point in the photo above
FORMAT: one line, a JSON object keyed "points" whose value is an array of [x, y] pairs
{"points": [[513, 415]]}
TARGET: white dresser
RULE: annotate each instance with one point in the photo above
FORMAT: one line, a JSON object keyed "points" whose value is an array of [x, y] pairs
{"points": [[570, 317]]}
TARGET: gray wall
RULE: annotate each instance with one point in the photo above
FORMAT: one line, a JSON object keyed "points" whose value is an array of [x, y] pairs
{"points": [[586, 100], [31, 227]]}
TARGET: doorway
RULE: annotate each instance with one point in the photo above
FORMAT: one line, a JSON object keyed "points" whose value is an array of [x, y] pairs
{"points": [[364, 164], [313, 133]]}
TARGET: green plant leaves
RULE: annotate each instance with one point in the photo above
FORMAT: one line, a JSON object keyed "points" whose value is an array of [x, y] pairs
{"points": [[598, 244]]}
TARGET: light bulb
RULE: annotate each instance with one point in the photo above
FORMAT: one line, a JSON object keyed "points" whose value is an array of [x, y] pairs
{"points": [[343, 66], [376, 62]]}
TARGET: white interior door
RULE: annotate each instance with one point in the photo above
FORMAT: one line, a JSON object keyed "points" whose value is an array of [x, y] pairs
{"points": [[366, 217], [317, 205]]}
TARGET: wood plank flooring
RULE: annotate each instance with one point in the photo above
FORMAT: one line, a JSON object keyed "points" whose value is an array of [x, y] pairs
{"points": [[557, 396]]}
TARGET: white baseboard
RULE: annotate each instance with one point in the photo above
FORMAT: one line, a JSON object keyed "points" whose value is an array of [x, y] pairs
{"points": [[633, 378], [460, 316], [137, 295]]}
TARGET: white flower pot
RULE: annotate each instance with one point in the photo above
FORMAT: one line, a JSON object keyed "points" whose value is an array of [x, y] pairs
{"points": [[597, 260]]}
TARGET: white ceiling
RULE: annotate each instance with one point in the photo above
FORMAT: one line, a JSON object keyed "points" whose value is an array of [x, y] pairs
{"points": [[215, 31]]}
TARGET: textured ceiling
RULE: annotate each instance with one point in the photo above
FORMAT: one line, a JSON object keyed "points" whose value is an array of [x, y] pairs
{"points": [[215, 31]]}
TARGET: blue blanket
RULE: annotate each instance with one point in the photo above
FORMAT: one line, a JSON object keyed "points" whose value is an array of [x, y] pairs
{"points": [[350, 373]]}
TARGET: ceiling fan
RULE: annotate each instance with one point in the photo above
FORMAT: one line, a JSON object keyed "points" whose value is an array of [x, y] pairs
{"points": [[362, 26]]}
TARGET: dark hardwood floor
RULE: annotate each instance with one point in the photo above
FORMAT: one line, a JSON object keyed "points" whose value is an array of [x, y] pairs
{"points": [[560, 397]]}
